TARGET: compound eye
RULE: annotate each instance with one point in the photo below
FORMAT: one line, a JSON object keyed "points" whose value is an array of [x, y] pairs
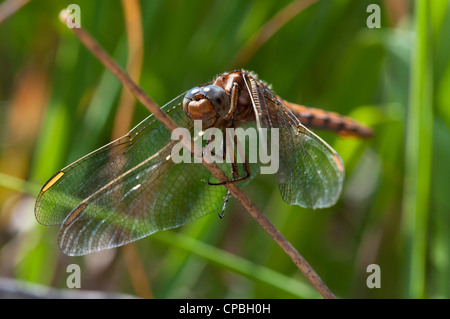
{"points": [[191, 94], [218, 97], [207, 104]]}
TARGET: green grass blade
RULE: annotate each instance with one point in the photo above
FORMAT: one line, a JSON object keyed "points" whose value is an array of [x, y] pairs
{"points": [[418, 156], [20, 185], [238, 265]]}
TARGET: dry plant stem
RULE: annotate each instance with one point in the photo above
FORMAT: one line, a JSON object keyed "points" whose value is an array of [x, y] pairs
{"points": [[8, 8], [301, 263], [136, 271]]}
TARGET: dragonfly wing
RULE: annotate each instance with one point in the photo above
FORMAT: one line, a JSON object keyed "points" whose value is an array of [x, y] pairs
{"points": [[311, 173], [126, 190], [164, 195], [67, 188]]}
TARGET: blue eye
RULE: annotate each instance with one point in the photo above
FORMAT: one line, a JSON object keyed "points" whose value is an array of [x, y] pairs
{"points": [[218, 97], [191, 93]]}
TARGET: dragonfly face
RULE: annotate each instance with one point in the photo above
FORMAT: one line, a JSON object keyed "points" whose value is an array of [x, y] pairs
{"points": [[131, 188], [208, 104]]}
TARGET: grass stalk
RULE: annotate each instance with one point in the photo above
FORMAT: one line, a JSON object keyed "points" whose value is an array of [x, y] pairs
{"points": [[418, 155]]}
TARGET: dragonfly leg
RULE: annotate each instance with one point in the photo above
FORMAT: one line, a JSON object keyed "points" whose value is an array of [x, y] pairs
{"points": [[205, 148], [237, 145], [225, 202], [234, 167], [234, 102]]}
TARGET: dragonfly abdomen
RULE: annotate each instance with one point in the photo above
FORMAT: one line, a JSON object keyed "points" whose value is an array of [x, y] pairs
{"points": [[319, 119]]}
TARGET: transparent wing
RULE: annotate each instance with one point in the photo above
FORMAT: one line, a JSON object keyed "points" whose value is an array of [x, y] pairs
{"points": [[311, 173], [163, 195], [126, 190]]}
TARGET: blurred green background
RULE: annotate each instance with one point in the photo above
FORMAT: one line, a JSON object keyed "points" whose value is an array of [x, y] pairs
{"points": [[58, 103]]}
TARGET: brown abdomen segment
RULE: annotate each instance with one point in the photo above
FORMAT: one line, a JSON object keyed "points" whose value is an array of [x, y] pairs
{"points": [[320, 119]]}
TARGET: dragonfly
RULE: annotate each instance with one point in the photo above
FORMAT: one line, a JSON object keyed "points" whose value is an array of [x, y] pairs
{"points": [[131, 187]]}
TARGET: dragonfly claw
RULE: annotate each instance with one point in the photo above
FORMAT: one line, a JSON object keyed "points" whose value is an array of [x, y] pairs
{"points": [[225, 202]]}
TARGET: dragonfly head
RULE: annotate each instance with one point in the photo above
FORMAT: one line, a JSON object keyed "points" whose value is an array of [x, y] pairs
{"points": [[208, 104]]}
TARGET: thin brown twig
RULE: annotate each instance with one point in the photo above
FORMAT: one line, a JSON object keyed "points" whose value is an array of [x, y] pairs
{"points": [[298, 259], [8, 8]]}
